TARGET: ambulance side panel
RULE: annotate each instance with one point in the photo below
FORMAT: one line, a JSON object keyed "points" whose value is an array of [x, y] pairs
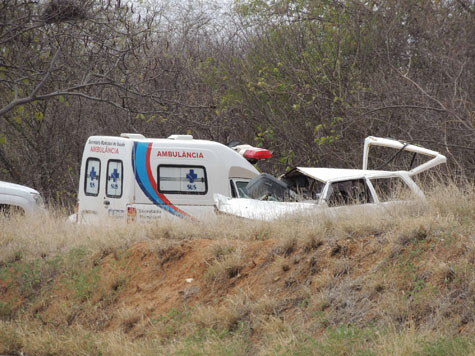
{"points": [[180, 177]]}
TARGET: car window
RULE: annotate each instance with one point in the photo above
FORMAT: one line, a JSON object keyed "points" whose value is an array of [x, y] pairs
{"points": [[306, 188], [349, 192], [391, 188], [310, 191]]}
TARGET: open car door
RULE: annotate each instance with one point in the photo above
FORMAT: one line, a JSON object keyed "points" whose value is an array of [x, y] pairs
{"points": [[435, 157]]}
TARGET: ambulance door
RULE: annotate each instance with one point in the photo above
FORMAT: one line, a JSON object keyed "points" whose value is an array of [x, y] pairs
{"points": [[114, 189], [90, 205]]}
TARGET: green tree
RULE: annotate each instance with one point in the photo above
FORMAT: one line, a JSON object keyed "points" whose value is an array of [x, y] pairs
{"points": [[312, 79]]}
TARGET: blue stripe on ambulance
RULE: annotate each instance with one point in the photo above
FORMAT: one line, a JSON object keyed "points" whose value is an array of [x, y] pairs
{"points": [[142, 177]]}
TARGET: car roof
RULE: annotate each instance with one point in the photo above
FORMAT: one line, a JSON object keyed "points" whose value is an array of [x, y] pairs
{"points": [[337, 174]]}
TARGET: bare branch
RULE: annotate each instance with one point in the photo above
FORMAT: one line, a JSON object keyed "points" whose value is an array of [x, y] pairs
{"points": [[401, 107], [47, 75]]}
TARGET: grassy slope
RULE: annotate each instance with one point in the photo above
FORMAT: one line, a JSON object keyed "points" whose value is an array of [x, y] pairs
{"points": [[400, 284]]}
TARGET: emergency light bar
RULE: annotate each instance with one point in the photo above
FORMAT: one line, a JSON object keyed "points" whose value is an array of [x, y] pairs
{"points": [[252, 154], [258, 153]]}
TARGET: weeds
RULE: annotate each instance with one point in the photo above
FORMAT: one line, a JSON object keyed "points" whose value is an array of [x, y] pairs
{"points": [[365, 285], [225, 268], [6, 311]]}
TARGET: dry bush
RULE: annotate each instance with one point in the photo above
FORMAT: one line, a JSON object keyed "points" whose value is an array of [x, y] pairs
{"points": [[453, 201], [241, 311], [225, 268], [11, 340], [221, 250], [128, 318], [228, 316], [286, 247]]}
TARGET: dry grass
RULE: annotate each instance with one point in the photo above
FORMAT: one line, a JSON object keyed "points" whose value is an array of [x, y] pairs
{"points": [[401, 283], [224, 268], [447, 205]]}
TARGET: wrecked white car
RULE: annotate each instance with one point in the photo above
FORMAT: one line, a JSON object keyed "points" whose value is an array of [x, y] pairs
{"points": [[330, 190]]}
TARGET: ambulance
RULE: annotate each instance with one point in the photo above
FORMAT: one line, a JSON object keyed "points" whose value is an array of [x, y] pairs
{"points": [[134, 178]]}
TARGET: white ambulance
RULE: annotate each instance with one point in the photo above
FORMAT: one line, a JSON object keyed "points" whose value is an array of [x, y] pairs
{"points": [[134, 178]]}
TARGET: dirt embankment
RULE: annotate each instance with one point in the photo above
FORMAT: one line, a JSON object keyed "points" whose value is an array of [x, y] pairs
{"points": [[358, 281]]}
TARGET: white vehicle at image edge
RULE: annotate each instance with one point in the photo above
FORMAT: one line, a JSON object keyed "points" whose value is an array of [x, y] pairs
{"points": [[15, 198], [134, 178], [331, 191]]}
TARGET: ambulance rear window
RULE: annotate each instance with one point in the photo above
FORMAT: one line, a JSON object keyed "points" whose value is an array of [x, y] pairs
{"points": [[174, 179], [115, 178], [93, 172]]}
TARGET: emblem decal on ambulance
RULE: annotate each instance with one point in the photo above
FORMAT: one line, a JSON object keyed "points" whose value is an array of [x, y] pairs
{"points": [[93, 174], [115, 175], [191, 176]]}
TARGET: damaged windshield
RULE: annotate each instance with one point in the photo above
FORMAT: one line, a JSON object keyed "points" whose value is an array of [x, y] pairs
{"points": [[267, 187], [293, 188], [306, 188]]}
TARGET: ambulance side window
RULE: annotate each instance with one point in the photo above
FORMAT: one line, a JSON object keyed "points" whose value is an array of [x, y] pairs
{"points": [[115, 178], [93, 175], [175, 179]]}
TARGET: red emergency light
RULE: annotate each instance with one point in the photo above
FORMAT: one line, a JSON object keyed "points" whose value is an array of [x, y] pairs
{"points": [[257, 153], [252, 154]]}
